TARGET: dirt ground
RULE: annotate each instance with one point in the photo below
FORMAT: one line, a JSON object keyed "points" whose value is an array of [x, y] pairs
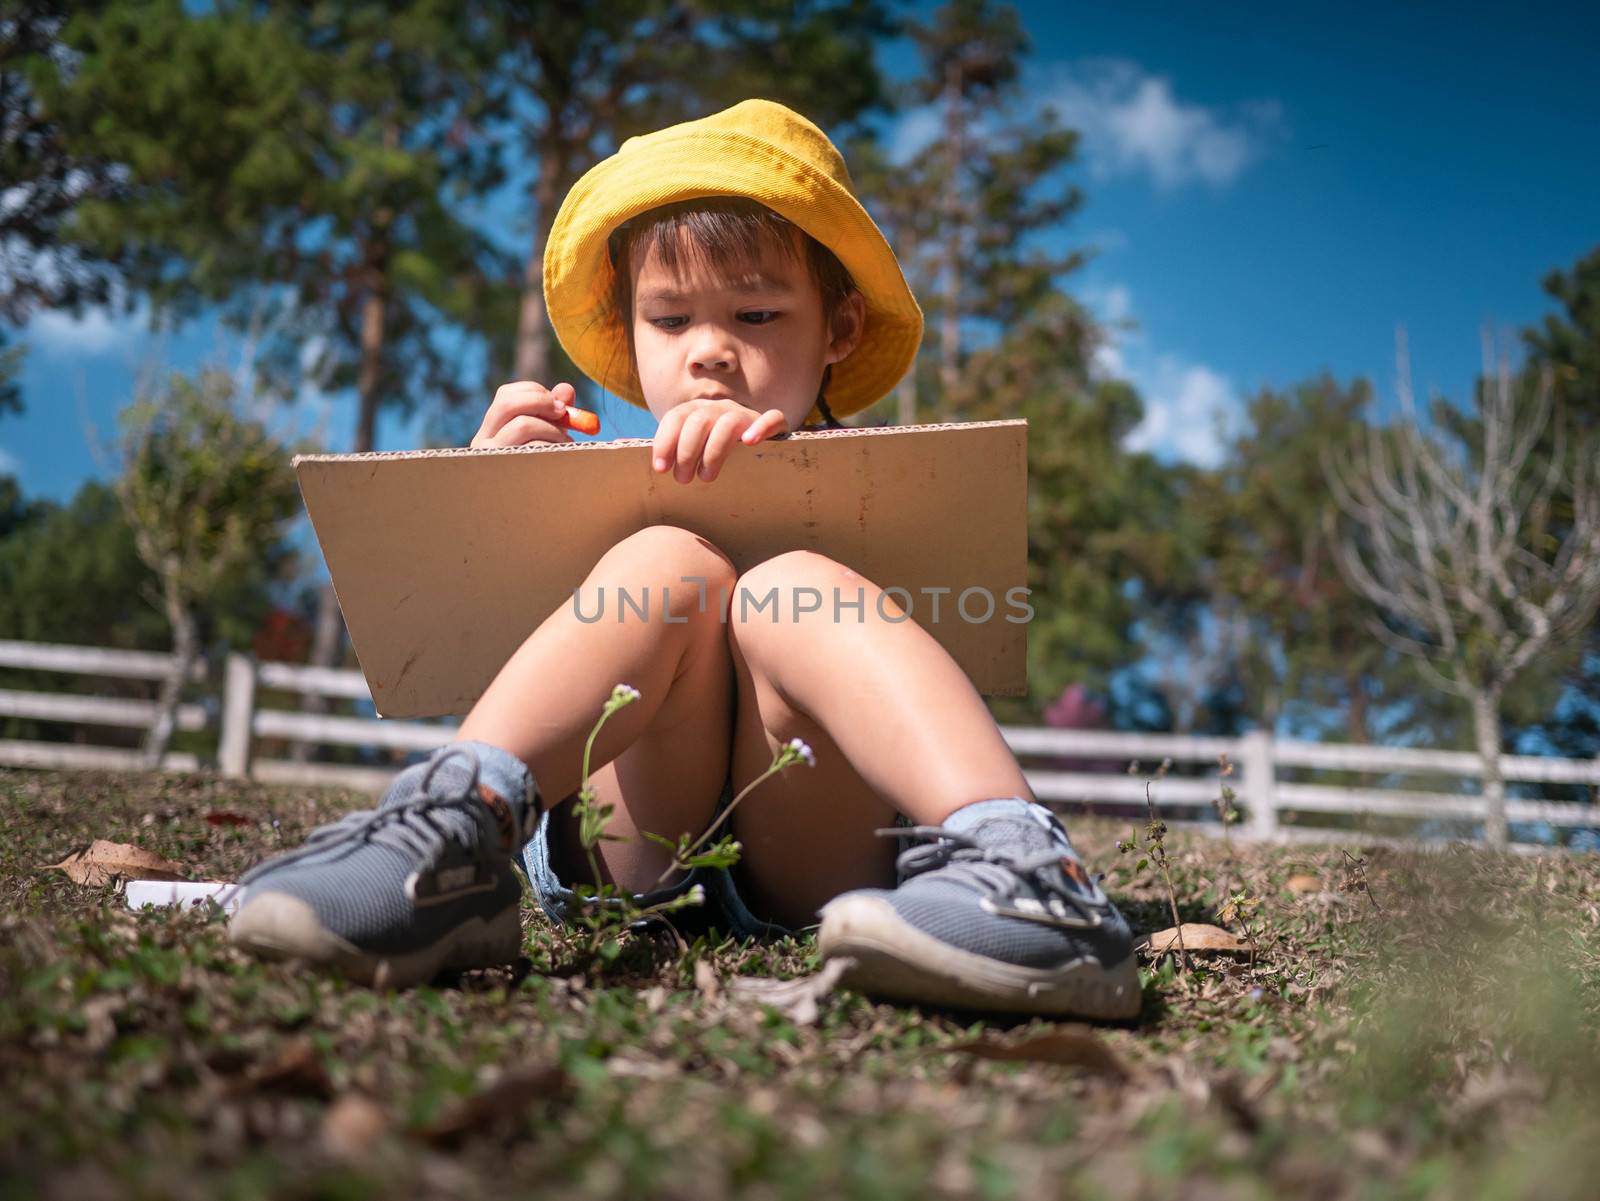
{"points": [[1402, 1024]]}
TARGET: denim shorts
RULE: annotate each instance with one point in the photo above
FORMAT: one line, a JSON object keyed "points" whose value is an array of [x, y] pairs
{"points": [[723, 908]]}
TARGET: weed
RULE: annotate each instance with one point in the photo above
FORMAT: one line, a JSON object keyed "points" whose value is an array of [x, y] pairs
{"points": [[1154, 850], [607, 911], [1356, 877]]}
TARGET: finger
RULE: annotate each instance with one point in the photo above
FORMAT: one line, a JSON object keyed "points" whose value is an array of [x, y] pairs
{"points": [[664, 449], [524, 397], [724, 436], [691, 444], [769, 423], [520, 431]]}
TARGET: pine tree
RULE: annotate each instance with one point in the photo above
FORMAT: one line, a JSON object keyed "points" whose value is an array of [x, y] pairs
{"points": [[44, 182], [600, 75]]}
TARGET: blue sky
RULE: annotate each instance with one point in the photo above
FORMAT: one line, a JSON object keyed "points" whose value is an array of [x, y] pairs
{"points": [[1272, 190]]}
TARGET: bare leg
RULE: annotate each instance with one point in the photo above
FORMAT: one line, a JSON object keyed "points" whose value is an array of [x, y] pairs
{"points": [[661, 760], [894, 721]]}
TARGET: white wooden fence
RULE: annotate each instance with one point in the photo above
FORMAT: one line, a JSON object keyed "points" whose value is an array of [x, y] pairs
{"points": [[1274, 808]]}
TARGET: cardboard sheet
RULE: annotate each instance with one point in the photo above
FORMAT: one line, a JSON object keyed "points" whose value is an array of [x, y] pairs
{"points": [[444, 561]]}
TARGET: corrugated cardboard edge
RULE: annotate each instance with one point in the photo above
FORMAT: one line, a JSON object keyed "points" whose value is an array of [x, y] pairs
{"points": [[423, 659]]}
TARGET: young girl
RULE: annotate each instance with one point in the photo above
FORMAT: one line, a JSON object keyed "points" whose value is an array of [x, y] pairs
{"points": [[721, 274]]}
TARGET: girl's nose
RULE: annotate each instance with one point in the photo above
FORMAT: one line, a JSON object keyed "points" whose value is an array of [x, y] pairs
{"points": [[712, 352]]}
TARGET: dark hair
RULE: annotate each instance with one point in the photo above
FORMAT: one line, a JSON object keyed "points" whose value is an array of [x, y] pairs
{"points": [[731, 233]]}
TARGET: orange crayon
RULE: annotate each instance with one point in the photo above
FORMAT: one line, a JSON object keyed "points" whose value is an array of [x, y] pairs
{"points": [[582, 420]]}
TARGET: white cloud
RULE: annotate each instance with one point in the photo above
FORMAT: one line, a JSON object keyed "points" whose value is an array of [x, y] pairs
{"points": [[9, 463], [1132, 123], [1189, 407], [914, 131], [1112, 306], [57, 333]]}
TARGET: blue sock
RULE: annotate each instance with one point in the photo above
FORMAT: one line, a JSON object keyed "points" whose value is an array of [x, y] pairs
{"points": [[1009, 820], [497, 767]]}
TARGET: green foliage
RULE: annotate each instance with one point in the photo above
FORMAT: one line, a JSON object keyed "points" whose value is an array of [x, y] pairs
{"points": [[71, 573], [144, 1055], [204, 490], [1100, 518], [303, 149], [608, 912], [964, 213], [180, 552], [10, 369], [1309, 649], [1569, 341], [46, 180]]}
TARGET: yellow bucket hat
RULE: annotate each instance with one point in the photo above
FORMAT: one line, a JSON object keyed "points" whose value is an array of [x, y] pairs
{"points": [[757, 149]]}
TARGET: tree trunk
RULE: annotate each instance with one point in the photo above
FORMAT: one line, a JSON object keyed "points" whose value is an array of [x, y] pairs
{"points": [[329, 635], [1357, 722], [185, 649], [1486, 724], [531, 360], [950, 319], [905, 395]]}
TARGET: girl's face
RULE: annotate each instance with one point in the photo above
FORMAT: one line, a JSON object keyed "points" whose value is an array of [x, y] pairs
{"points": [[755, 336]]}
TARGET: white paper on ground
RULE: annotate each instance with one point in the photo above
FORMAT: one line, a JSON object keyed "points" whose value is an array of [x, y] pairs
{"points": [[180, 892]]}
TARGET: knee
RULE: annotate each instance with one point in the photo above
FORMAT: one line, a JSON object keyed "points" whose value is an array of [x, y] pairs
{"points": [[664, 553], [796, 569], [781, 591], [690, 573]]}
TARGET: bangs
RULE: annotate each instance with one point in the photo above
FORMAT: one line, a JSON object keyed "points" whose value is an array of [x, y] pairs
{"points": [[729, 237], [729, 244]]}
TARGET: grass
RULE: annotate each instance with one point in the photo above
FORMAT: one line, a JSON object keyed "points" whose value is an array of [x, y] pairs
{"points": [[1432, 1036]]}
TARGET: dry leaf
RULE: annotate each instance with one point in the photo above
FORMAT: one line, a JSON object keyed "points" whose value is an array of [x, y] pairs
{"points": [[295, 1069], [105, 862], [505, 1099], [352, 1125], [798, 999], [226, 817], [1303, 884], [1199, 939], [705, 979], [99, 1022], [1074, 1046], [1230, 1094]]}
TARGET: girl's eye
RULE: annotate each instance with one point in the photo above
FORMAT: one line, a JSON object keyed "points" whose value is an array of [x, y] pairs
{"points": [[759, 317], [668, 322]]}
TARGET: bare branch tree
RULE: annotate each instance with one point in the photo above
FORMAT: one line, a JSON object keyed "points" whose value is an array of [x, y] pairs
{"points": [[1481, 551]]}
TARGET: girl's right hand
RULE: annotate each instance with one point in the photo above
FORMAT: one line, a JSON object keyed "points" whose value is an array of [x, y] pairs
{"points": [[525, 412]]}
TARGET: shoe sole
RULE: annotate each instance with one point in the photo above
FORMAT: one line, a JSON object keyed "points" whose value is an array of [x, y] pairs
{"points": [[278, 926], [895, 960]]}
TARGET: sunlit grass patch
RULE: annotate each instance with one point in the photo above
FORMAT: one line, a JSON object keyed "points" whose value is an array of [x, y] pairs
{"points": [[1433, 1036]]}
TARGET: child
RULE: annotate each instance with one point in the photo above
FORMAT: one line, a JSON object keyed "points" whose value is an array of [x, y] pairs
{"points": [[721, 274]]}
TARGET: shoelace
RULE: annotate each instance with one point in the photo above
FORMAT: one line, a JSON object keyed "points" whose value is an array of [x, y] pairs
{"points": [[409, 826], [993, 870]]}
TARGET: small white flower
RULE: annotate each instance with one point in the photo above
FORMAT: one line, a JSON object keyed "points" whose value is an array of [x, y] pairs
{"points": [[697, 894], [801, 751], [624, 693]]}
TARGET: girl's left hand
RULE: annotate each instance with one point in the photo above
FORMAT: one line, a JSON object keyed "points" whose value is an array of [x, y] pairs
{"points": [[697, 436]]}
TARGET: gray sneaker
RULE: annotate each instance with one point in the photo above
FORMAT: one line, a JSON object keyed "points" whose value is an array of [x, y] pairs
{"points": [[389, 897], [998, 914]]}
